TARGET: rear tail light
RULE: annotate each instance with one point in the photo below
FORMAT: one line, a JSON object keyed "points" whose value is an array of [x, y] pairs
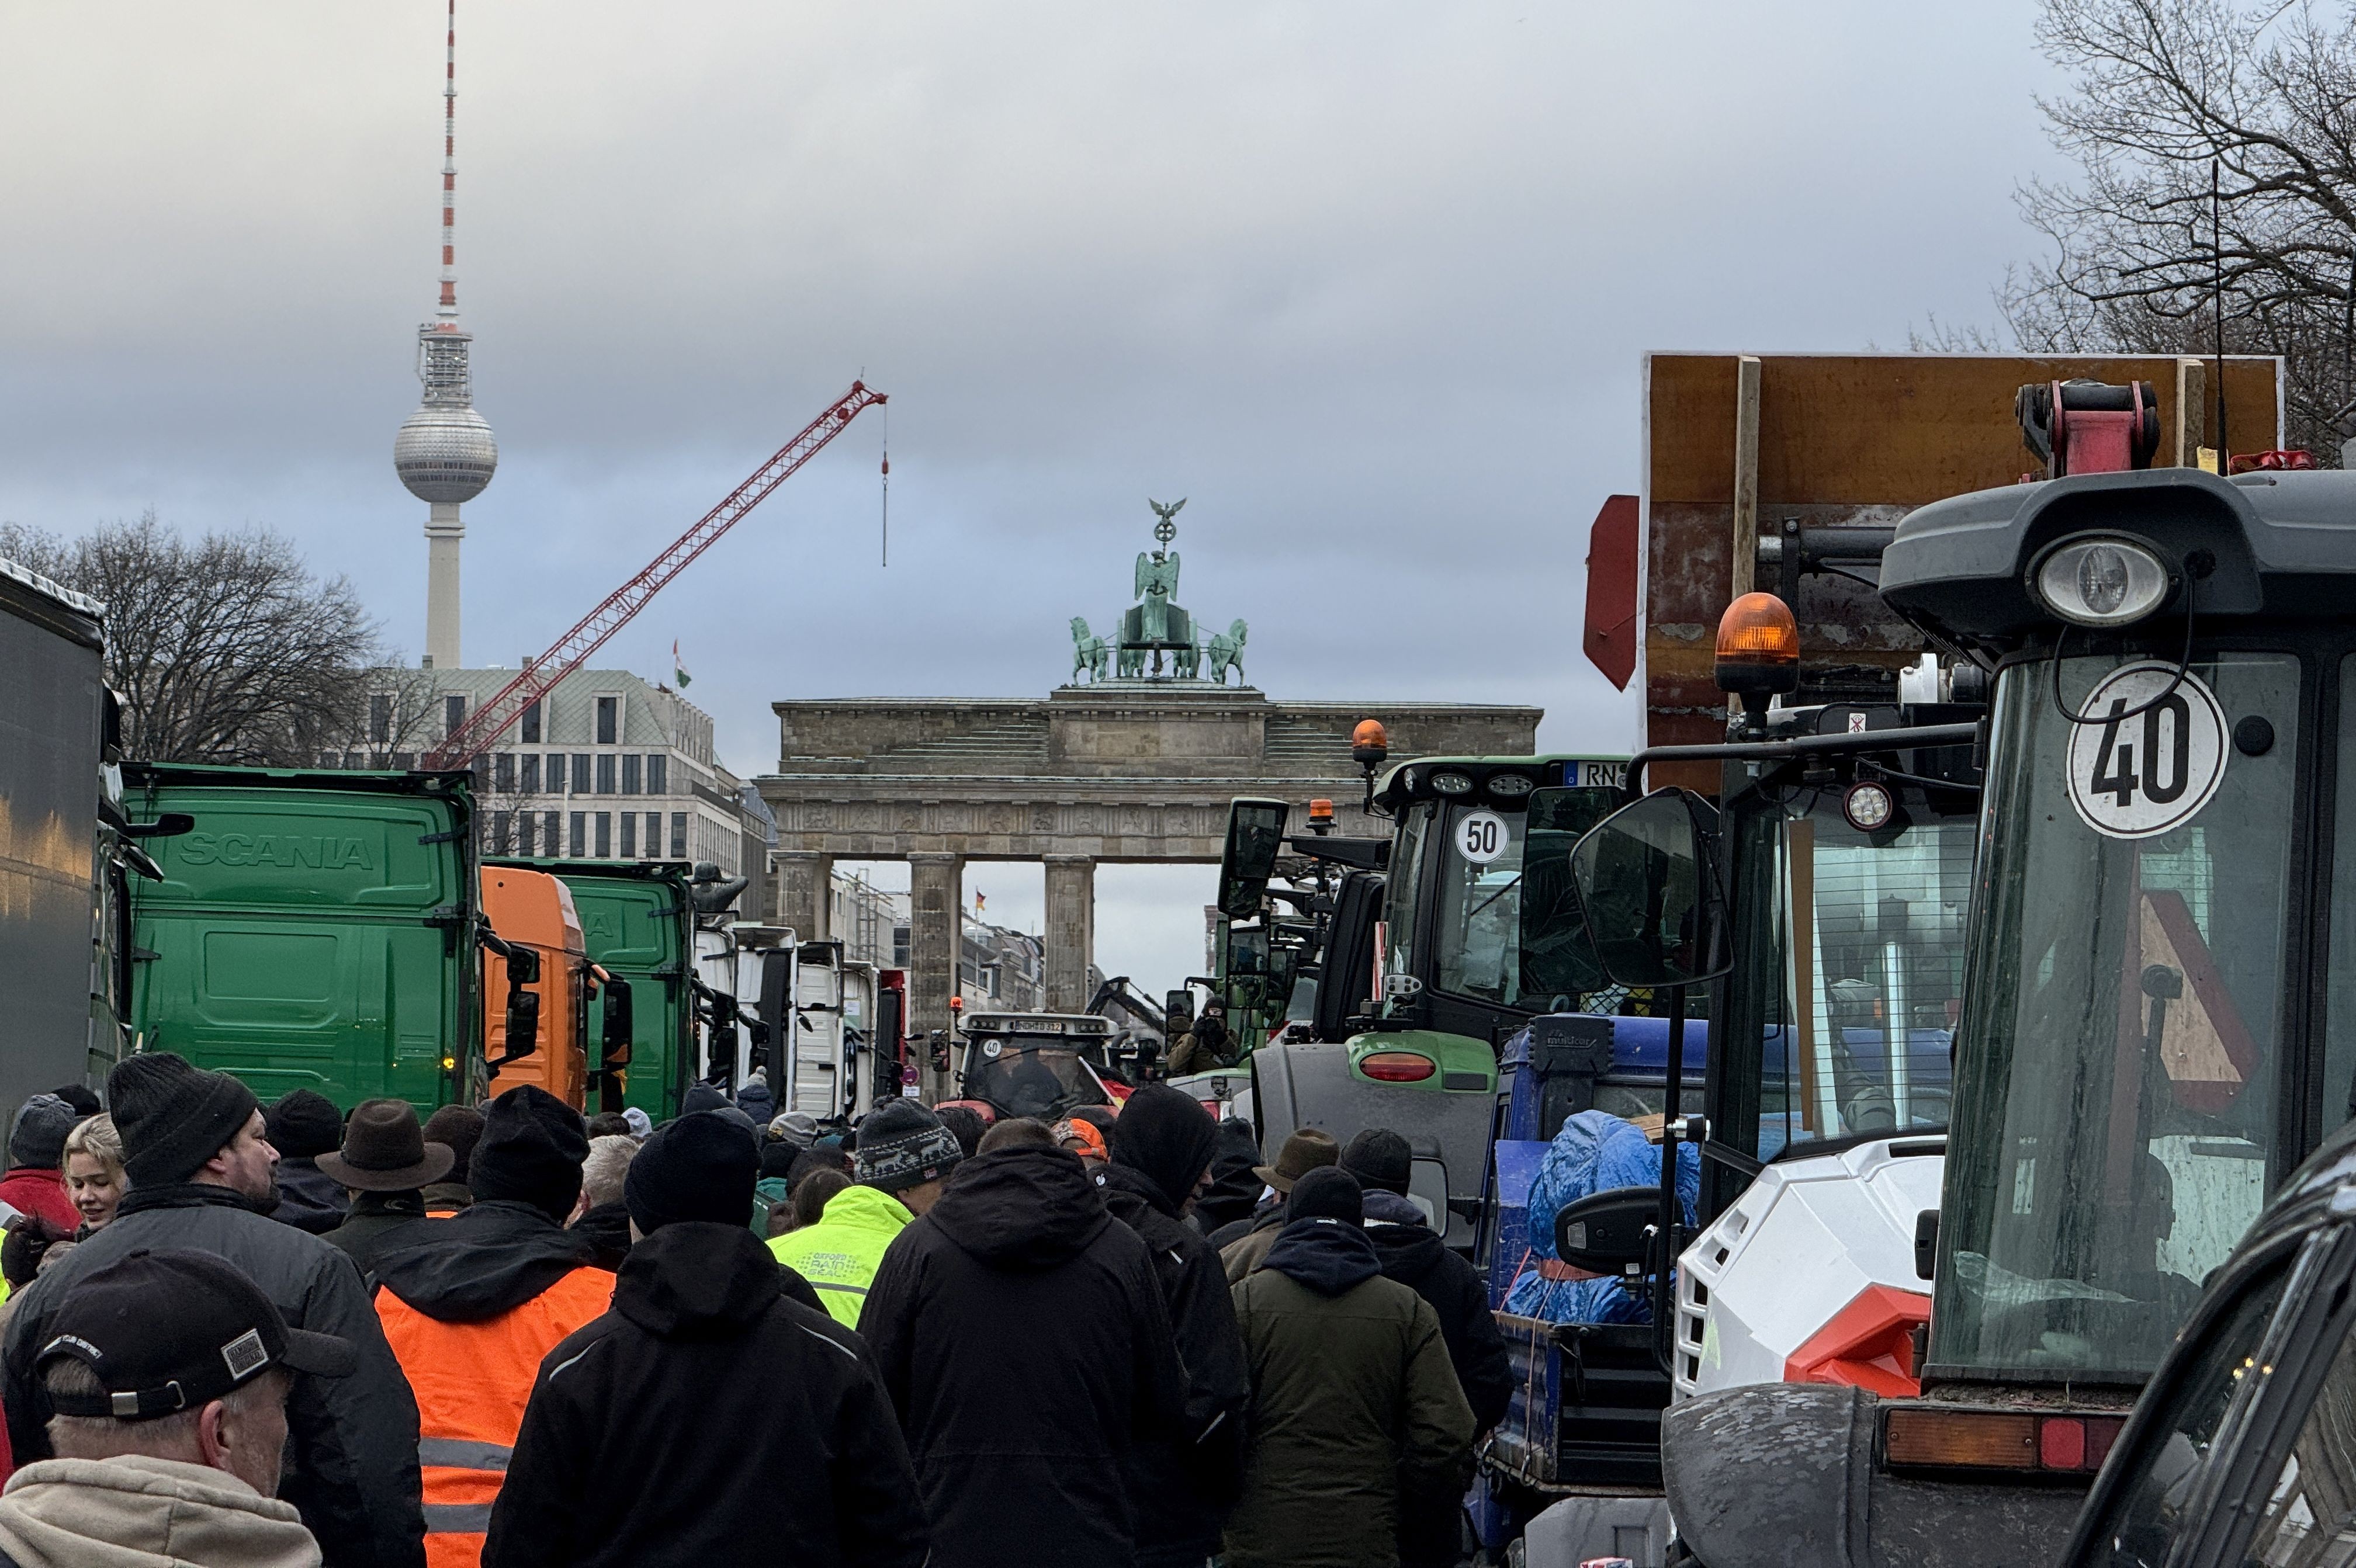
{"points": [[1398, 1067], [1931, 1438]]}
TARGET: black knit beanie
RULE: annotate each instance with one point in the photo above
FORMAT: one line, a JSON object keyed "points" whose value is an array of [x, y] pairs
{"points": [[173, 1117], [78, 1096], [1328, 1192], [36, 1137], [457, 1128], [1380, 1160], [305, 1125], [902, 1144], [531, 1152], [700, 1166]]}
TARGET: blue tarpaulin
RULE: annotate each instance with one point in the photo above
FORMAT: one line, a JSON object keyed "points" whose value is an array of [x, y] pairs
{"points": [[1594, 1152]]}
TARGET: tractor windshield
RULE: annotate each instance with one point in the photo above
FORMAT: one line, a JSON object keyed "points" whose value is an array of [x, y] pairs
{"points": [[1029, 1077], [2117, 1119]]}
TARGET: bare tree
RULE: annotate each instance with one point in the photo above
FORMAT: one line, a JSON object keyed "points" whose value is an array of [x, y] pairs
{"points": [[2166, 96], [227, 649]]}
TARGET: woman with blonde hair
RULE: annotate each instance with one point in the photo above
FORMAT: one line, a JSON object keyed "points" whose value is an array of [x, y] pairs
{"points": [[94, 1171]]}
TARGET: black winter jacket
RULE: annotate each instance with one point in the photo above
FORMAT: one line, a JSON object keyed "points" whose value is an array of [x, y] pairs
{"points": [[374, 1217], [707, 1419], [352, 1469], [1413, 1254], [1183, 1489], [485, 1260], [1022, 1336], [308, 1197], [606, 1228]]}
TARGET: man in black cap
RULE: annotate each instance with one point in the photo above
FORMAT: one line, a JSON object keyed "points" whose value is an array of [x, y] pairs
{"points": [[1162, 1145], [385, 1162], [302, 1126], [168, 1372], [1413, 1253], [201, 1170], [705, 1368], [472, 1302]]}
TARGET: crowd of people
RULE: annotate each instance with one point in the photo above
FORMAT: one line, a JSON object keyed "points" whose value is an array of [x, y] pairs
{"points": [[513, 1335]]}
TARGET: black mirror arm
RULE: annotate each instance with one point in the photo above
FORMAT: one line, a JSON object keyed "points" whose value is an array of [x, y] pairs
{"points": [[1918, 735]]}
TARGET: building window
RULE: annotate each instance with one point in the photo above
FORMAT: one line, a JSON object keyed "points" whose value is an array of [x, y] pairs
{"points": [[678, 836], [609, 713], [527, 834], [405, 761], [605, 772], [654, 834], [899, 947], [629, 835], [532, 773], [380, 718], [658, 773], [604, 824], [629, 773], [532, 725], [453, 715], [355, 760], [502, 830], [547, 824], [503, 772]]}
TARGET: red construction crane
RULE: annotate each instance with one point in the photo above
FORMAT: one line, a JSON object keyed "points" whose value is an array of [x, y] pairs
{"points": [[541, 675]]}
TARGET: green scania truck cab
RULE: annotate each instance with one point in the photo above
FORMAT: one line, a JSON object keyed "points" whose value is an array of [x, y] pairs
{"points": [[312, 930]]}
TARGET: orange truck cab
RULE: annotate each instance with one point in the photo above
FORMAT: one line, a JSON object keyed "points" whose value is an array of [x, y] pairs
{"points": [[533, 911]]}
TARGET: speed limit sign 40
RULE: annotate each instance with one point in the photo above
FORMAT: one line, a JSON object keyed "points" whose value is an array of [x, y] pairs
{"points": [[1482, 836], [2145, 758]]}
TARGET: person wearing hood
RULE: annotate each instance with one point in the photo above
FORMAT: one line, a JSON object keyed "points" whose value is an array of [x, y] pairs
{"points": [[200, 1180], [190, 1472], [458, 1128], [1163, 1146], [755, 1099], [603, 1220], [35, 1184], [1359, 1438], [905, 1157], [1016, 1449], [1235, 1188], [1413, 1253], [303, 1126], [471, 1303], [1308, 1149], [385, 1161], [708, 1417]]}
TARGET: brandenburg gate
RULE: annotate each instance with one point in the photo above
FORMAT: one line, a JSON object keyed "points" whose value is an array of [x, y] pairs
{"points": [[1135, 763]]}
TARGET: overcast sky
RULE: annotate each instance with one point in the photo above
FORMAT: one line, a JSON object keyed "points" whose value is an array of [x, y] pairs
{"points": [[1369, 283]]}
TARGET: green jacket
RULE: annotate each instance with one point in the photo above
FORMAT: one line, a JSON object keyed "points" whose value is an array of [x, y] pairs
{"points": [[1356, 1426], [839, 1254]]}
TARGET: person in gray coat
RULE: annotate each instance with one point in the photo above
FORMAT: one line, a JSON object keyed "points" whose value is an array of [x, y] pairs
{"points": [[201, 1174]]}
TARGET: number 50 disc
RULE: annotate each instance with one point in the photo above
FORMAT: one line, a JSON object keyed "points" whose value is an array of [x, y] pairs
{"points": [[2142, 773]]}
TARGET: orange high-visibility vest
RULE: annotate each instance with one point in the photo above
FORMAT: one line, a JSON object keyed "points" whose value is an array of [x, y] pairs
{"points": [[472, 1380]]}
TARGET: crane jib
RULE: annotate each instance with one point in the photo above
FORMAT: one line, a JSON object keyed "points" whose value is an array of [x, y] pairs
{"points": [[541, 675]]}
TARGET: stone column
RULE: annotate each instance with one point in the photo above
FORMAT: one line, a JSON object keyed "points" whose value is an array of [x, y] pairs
{"points": [[805, 892], [936, 934], [1071, 931], [444, 533]]}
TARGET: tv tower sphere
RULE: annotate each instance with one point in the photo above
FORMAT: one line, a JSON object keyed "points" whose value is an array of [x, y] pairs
{"points": [[445, 451]]}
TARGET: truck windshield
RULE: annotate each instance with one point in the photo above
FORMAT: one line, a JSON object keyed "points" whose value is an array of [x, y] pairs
{"points": [[2115, 1119], [1867, 944]]}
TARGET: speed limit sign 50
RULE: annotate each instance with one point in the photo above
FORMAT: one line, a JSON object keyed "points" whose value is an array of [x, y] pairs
{"points": [[1482, 836]]}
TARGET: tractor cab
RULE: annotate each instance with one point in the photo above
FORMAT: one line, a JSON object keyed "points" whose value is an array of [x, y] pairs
{"points": [[1044, 1065]]}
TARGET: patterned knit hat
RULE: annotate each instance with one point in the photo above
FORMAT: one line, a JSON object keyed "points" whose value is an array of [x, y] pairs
{"points": [[902, 1144]]}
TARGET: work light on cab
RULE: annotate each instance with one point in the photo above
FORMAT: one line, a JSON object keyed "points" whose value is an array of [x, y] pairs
{"points": [[1758, 653], [2100, 579]]}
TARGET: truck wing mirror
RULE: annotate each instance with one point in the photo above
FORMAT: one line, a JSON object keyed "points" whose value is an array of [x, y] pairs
{"points": [[614, 1040], [523, 1025], [1558, 957], [1608, 1232], [1255, 833], [1177, 1013], [1648, 887]]}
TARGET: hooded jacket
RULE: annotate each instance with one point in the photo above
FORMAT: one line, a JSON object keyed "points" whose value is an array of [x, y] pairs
{"points": [[1021, 1334], [839, 1254], [352, 1470], [1412, 1253], [1162, 1143], [137, 1512], [1235, 1186], [374, 1217], [470, 1305], [308, 1197], [707, 1419], [606, 1228], [1358, 1434]]}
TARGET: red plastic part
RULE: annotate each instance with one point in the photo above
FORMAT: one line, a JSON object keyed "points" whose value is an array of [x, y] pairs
{"points": [[1869, 1344], [1398, 1067], [2062, 1443], [1611, 639]]}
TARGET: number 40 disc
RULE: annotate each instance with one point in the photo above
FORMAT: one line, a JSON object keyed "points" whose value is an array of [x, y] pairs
{"points": [[2142, 773]]}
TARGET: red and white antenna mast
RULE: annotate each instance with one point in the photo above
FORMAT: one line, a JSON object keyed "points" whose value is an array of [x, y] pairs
{"points": [[448, 310]]}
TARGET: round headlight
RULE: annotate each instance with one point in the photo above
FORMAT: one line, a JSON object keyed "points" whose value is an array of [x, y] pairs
{"points": [[2101, 581], [1451, 784], [1869, 807]]}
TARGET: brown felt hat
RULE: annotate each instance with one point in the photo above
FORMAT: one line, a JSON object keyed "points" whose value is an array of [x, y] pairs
{"points": [[385, 1150], [1303, 1152]]}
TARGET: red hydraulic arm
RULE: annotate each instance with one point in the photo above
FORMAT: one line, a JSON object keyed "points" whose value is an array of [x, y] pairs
{"points": [[541, 675]]}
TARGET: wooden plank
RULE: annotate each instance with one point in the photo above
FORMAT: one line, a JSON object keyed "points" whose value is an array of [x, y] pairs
{"points": [[2186, 420], [1745, 553]]}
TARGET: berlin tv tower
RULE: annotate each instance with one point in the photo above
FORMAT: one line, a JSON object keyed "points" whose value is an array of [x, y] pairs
{"points": [[444, 452]]}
